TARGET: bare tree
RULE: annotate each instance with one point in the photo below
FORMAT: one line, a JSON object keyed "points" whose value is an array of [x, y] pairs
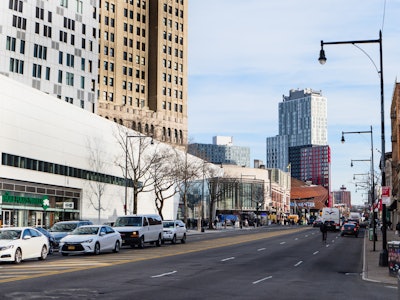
{"points": [[138, 160], [188, 170], [164, 178], [97, 164]]}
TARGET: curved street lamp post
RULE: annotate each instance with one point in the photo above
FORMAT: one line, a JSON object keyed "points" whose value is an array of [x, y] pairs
{"points": [[383, 258]]}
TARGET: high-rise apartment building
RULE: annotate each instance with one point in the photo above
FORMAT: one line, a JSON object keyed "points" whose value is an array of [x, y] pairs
{"points": [[143, 66], [301, 145], [52, 46], [221, 151]]}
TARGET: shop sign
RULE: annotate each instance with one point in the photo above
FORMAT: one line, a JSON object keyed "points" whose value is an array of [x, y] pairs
{"points": [[43, 202], [68, 205]]}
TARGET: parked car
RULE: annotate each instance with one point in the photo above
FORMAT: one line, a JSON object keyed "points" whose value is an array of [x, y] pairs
{"points": [[349, 229], [140, 229], [20, 243], [53, 244], [91, 239], [174, 230], [62, 228]]}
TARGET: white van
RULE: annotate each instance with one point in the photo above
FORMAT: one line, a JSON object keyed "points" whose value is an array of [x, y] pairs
{"points": [[139, 229]]}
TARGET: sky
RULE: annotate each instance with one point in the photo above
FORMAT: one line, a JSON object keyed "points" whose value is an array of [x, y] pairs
{"points": [[245, 55]]}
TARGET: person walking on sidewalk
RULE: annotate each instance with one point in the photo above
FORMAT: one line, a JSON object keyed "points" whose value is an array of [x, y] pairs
{"points": [[324, 231]]}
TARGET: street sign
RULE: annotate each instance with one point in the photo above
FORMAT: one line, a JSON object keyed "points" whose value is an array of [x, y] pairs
{"points": [[386, 195]]}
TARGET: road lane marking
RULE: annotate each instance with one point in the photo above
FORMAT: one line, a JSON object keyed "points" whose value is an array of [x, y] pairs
{"points": [[226, 259], [164, 274], [261, 249], [316, 252], [260, 280], [298, 264], [73, 264], [281, 243]]}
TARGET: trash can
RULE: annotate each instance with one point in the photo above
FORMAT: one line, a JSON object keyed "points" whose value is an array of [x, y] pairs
{"points": [[393, 257]]}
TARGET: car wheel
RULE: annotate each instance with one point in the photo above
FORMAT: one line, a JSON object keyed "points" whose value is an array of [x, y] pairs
{"points": [[18, 256], [183, 240], [173, 241], [116, 247], [158, 243], [96, 249], [64, 254], [43, 254], [141, 243]]}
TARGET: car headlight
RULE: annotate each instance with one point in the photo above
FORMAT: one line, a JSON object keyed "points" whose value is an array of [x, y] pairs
{"points": [[6, 247], [89, 241]]}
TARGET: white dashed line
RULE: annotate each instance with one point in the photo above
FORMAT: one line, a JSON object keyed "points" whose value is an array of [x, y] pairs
{"points": [[282, 243], [261, 249], [164, 274], [298, 264], [226, 259], [258, 281], [316, 252]]}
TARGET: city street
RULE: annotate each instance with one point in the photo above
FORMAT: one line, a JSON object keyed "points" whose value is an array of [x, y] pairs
{"points": [[285, 263]]}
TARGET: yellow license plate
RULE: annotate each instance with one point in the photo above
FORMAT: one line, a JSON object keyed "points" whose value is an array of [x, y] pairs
{"points": [[71, 247]]}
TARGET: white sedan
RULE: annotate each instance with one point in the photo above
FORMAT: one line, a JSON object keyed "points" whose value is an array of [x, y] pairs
{"points": [[20, 243], [91, 239]]}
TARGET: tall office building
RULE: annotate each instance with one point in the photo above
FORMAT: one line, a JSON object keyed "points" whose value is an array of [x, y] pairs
{"points": [[301, 145], [143, 66], [52, 46], [221, 151]]}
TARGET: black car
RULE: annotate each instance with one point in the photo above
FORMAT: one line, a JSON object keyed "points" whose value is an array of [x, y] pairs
{"points": [[349, 229], [52, 241]]}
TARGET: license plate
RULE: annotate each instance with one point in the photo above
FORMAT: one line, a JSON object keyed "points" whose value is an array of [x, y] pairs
{"points": [[71, 247]]}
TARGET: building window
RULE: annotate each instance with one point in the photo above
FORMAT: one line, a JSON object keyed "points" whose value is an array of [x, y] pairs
{"points": [[16, 66], [37, 71], [47, 73], [70, 79], [10, 44], [82, 82]]}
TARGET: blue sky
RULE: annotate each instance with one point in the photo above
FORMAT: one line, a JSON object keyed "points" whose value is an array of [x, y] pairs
{"points": [[244, 55]]}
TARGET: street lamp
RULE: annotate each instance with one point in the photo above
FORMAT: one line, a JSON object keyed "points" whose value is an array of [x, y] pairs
{"points": [[372, 172], [383, 259], [127, 137]]}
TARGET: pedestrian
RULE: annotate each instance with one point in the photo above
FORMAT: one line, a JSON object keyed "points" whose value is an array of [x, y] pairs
{"points": [[324, 231]]}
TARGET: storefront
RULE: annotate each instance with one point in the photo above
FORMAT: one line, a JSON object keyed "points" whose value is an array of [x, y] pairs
{"points": [[33, 204]]}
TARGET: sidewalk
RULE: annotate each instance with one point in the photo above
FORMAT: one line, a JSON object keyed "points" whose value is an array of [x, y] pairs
{"points": [[372, 271]]}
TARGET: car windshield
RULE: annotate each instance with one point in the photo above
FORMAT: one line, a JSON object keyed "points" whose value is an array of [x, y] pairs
{"points": [[168, 224], [85, 230], [128, 221], [349, 226], [10, 234], [63, 227]]}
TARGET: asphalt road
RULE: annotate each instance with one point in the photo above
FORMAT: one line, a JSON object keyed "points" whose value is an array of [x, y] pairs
{"points": [[258, 264]]}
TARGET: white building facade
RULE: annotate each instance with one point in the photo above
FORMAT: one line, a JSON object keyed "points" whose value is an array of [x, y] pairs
{"points": [[52, 46], [46, 169]]}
